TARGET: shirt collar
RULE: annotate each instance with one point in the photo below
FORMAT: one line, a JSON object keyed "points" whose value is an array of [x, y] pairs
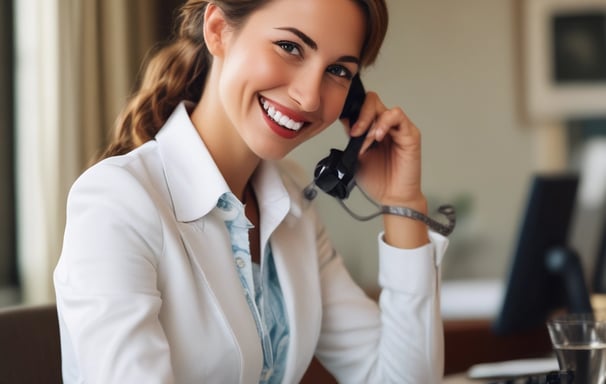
{"points": [[196, 184]]}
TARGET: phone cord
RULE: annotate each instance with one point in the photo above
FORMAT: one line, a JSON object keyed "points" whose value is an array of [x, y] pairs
{"points": [[447, 210]]}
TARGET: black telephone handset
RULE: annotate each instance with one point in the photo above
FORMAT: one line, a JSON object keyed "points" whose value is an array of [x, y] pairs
{"points": [[335, 173]]}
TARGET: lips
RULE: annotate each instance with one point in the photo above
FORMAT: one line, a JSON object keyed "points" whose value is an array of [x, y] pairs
{"points": [[281, 121]]}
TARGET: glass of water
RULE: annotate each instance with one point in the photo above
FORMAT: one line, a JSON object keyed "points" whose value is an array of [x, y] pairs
{"points": [[579, 342]]}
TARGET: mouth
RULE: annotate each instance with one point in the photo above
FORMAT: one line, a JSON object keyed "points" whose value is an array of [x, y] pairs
{"points": [[280, 118]]}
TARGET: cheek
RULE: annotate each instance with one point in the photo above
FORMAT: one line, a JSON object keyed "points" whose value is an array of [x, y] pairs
{"points": [[240, 80], [249, 66], [333, 105]]}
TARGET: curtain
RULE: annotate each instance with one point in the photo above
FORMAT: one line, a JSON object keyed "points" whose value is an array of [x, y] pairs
{"points": [[77, 62]]}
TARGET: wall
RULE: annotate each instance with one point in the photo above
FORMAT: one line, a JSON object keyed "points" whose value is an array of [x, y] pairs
{"points": [[452, 66]]}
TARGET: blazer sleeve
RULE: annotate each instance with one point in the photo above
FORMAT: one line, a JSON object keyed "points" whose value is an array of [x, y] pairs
{"points": [[400, 341], [105, 282]]}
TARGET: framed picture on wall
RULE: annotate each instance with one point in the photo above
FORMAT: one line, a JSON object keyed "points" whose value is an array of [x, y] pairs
{"points": [[564, 59]]}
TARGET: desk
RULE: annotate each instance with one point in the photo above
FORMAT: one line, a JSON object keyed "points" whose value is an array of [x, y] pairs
{"points": [[469, 342], [460, 378]]}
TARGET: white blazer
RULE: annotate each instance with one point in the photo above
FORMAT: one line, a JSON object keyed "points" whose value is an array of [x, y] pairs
{"points": [[147, 290]]}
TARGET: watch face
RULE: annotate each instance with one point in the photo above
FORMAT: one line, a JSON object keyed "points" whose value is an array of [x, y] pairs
{"points": [[579, 47]]}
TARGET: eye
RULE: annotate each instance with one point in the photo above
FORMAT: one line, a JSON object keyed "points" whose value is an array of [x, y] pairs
{"points": [[340, 71], [289, 47]]}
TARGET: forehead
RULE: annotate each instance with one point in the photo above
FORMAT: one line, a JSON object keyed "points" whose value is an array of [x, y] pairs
{"points": [[332, 24]]}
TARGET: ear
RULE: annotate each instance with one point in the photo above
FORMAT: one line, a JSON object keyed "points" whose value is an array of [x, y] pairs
{"points": [[215, 28]]}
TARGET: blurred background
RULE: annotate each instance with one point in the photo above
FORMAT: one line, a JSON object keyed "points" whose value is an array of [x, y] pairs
{"points": [[478, 77]]}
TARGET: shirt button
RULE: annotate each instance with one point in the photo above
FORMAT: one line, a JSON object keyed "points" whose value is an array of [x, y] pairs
{"points": [[267, 374], [240, 262]]}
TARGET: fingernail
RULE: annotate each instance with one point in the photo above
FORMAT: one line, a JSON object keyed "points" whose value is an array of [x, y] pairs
{"points": [[358, 128]]}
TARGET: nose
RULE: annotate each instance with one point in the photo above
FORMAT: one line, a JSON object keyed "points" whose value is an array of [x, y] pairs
{"points": [[305, 89]]}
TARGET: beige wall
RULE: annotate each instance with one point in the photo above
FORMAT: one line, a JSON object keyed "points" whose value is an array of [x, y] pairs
{"points": [[452, 66]]}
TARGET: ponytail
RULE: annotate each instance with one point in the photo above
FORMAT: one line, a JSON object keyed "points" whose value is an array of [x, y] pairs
{"points": [[175, 73]]}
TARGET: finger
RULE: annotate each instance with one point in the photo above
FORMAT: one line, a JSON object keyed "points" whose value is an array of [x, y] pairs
{"points": [[387, 121], [374, 109], [368, 141], [396, 123], [370, 109]]}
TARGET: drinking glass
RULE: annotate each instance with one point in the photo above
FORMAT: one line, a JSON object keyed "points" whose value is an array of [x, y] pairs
{"points": [[579, 342]]}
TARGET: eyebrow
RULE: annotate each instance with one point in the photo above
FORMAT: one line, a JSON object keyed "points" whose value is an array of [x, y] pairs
{"points": [[313, 45]]}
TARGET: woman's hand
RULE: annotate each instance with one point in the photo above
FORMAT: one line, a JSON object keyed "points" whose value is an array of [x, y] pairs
{"points": [[389, 168]]}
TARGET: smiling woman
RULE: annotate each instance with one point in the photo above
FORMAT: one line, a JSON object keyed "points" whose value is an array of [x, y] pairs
{"points": [[190, 253]]}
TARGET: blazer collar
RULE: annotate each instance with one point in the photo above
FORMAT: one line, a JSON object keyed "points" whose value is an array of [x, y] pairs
{"points": [[195, 183], [193, 179]]}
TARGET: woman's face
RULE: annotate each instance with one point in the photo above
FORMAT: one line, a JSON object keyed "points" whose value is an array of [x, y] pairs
{"points": [[285, 74]]}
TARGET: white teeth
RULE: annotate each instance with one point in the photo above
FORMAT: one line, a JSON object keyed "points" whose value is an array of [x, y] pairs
{"points": [[281, 119]]}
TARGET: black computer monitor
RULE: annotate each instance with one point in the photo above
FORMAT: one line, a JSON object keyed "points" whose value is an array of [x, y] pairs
{"points": [[599, 277], [544, 272]]}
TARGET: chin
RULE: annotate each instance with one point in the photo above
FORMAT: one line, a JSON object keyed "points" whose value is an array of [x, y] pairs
{"points": [[273, 156], [267, 147], [272, 153]]}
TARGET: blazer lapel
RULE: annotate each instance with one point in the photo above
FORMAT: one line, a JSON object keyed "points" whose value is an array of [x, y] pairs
{"points": [[207, 244], [297, 269], [293, 245]]}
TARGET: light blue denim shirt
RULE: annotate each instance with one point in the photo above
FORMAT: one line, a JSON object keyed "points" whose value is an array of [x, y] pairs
{"points": [[261, 288]]}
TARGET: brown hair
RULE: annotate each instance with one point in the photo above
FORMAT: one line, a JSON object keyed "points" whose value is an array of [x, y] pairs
{"points": [[178, 71]]}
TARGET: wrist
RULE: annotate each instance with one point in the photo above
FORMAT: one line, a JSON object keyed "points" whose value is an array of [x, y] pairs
{"points": [[406, 232]]}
